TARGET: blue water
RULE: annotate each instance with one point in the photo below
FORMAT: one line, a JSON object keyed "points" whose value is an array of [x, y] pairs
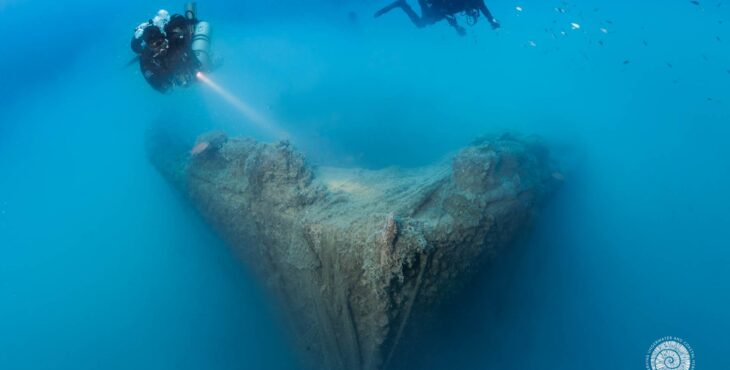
{"points": [[103, 266]]}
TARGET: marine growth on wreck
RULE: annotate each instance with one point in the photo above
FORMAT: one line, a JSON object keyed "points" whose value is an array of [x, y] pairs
{"points": [[359, 260]]}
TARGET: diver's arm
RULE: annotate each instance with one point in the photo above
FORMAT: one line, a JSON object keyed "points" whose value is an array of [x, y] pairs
{"points": [[137, 39], [137, 45]]}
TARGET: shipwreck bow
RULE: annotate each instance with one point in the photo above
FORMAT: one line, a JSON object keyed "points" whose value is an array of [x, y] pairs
{"points": [[359, 258]]}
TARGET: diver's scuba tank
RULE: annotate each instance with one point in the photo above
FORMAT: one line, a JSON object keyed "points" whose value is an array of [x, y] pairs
{"points": [[201, 44], [190, 11]]}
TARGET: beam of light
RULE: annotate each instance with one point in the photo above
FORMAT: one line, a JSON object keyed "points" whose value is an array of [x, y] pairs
{"points": [[248, 111]]}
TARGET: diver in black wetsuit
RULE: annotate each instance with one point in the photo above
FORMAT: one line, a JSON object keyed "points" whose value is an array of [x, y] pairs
{"points": [[163, 45], [433, 11]]}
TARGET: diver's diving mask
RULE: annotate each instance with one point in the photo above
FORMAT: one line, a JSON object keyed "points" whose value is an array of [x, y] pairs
{"points": [[160, 46]]}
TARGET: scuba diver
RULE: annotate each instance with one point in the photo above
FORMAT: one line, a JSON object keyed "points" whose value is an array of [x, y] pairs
{"points": [[172, 49], [433, 11]]}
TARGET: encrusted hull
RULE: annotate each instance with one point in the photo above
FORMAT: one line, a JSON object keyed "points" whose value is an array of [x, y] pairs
{"points": [[357, 258]]}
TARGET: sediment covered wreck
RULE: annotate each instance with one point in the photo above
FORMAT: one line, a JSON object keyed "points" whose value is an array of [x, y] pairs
{"points": [[358, 259]]}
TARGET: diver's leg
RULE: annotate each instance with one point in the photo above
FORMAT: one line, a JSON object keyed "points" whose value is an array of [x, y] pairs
{"points": [[418, 21], [488, 14], [428, 14], [395, 4], [421, 21]]}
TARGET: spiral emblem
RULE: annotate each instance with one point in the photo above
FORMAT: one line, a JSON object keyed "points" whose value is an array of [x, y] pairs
{"points": [[670, 353]]}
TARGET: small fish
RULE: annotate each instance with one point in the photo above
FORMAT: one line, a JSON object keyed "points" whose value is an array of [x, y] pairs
{"points": [[600, 42], [645, 43], [627, 61], [574, 26], [695, 2], [532, 43], [718, 39], [199, 148], [604, 30], [670, 65], [558, 176], [518, 8], [560, 10]]}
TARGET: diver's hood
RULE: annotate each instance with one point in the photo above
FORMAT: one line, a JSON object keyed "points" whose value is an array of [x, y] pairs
{"points": [[152, 34]]}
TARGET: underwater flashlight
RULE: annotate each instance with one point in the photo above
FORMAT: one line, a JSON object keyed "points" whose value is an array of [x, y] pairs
{"points": [[249, 112]]}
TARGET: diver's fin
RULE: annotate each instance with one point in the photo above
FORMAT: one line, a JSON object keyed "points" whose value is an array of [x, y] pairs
{"points": [[395, 4], [132, 61]]}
